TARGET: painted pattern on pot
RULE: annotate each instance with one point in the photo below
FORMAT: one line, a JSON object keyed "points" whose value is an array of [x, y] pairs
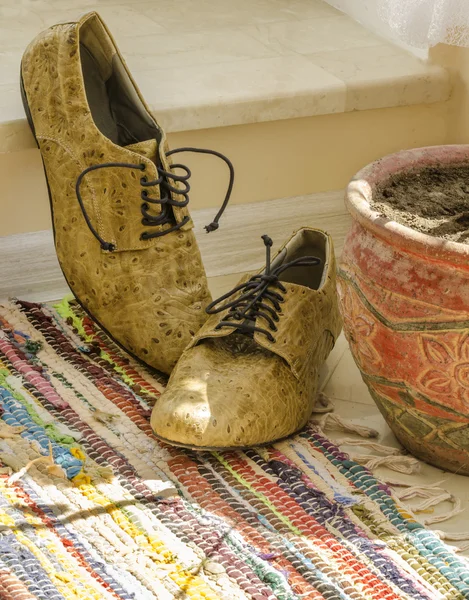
{"points": [[405, 303]]}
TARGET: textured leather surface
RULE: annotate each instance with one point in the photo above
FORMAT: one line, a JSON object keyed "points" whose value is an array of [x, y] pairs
{"points": [[229, 390], [150, 295]]}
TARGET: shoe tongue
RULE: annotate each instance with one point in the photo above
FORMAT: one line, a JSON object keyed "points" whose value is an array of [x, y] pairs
{"points": [[148, 148]]}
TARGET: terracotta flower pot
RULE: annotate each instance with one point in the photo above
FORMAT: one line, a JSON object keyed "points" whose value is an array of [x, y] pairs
{"points": [[405, 303]]}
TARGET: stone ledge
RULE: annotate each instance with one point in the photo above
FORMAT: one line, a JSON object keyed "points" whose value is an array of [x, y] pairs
{"points": [[233, 65]]}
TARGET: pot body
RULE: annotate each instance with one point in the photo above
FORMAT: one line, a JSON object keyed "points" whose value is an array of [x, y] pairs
{"points": [[405, 303]]}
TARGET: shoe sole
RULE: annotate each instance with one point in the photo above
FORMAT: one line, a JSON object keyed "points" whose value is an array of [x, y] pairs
{"points": [[33, 131], [225, 448]]}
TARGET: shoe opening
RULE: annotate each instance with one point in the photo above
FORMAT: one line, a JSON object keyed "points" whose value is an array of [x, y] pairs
{"points": [[307, 242], [116, 108]]}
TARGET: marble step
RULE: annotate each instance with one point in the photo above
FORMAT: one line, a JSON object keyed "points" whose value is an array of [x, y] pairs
{"points": [[219, 63]]}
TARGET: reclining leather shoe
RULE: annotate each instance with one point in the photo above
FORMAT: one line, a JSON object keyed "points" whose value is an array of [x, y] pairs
{"points": [[122, 229], [250, 375]]}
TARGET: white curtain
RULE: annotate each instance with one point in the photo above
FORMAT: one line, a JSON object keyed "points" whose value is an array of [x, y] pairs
{"points": [[418, 23]]}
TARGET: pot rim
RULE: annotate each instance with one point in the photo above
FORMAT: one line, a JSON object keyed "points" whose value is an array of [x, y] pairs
{"points": [[361, 188]]}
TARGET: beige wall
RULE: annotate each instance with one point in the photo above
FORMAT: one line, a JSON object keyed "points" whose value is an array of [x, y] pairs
{"points": [[272, 160], [457, 61]]}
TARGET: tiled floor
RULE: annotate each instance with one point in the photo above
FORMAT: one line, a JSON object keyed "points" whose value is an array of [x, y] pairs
{"points": [[257, 61], [31, 271]]}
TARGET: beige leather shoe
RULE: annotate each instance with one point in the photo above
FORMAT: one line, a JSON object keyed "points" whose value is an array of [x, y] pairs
{"points": [[123, 233], [250, 376]]}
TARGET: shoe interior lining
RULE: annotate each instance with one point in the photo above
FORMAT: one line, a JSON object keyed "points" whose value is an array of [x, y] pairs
{"points": [[114, 103], [305, 243]]}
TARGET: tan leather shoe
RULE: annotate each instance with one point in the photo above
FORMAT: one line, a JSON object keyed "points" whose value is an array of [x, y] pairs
{"points": [[250, 376], [123, 233]]}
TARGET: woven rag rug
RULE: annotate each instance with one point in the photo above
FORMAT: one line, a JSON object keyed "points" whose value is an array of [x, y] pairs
{"points": [[92, 506]]}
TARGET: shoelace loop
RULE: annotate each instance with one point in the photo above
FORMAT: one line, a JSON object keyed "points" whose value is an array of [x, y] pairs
{"points": [[251, 303], [166, 200]]}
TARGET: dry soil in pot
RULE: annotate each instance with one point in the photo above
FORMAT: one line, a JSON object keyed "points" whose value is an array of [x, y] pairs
{"points": [[434, 200]]}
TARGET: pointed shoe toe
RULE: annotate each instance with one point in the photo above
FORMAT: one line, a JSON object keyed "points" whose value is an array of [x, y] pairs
{"points": [[212, 403]]}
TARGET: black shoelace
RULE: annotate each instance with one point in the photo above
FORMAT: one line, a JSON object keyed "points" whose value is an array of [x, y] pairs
{"points": [[166, 200], [251, 304]]}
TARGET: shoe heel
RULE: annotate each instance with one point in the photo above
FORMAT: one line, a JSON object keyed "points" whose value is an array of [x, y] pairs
{"points": [[26, 108]]}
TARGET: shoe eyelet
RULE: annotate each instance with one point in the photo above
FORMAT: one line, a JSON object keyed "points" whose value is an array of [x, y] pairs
{"points": [[143, 180], [144, 195], [142, 166], [144, 236]]}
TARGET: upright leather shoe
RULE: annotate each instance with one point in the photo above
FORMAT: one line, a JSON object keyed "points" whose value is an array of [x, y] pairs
{"points": [[123, 233], [250, 375]]}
